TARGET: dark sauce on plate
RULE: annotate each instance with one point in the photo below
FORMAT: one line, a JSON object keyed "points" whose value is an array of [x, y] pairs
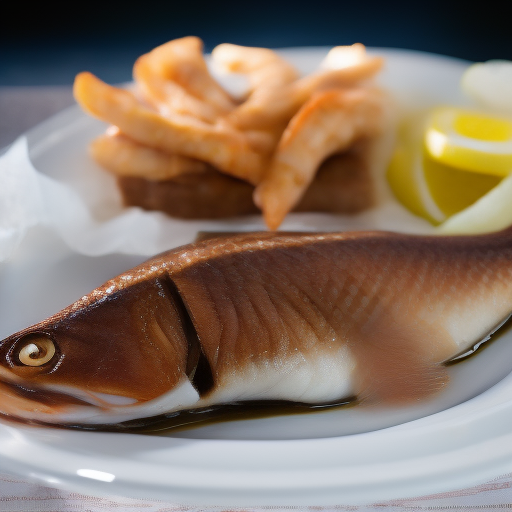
{"points": [[234, 411]]}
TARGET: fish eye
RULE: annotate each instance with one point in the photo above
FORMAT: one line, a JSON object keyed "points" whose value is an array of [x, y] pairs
{"points": [[35, 350]]}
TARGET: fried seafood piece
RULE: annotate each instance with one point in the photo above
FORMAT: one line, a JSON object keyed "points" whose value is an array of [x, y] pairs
{"points": [[169, 97], [222, 146], [271, 107], [268, 110], [310, 318], [124, 157], [182, 61], [330, 122], [263, 67], [180, 121], [341, 57], [343, 184], [174, 78]]}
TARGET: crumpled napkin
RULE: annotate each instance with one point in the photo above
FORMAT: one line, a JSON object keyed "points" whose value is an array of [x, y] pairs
{"points": [[21, 201], [29, 198]]}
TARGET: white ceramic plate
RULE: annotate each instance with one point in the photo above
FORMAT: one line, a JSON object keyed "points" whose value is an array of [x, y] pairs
{"points": [[344, 456]]}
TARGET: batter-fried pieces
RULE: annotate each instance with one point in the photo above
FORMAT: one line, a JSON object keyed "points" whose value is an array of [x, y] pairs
{"points": [[178, 121]]}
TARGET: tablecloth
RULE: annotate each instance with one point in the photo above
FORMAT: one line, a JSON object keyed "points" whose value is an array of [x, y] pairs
{"points": [[20, 109], [18, 495]]}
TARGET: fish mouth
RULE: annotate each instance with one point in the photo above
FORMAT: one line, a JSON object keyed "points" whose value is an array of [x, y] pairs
{"points": [[67, 407], [57, 396], [31, 405], [45, 396], [48, 404]]}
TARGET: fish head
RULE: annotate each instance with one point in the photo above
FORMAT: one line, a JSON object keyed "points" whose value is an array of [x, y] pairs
{"points": [[101, 360]]}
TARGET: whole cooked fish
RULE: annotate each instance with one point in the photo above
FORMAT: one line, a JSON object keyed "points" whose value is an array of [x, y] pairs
{"points": [[310, 318]]}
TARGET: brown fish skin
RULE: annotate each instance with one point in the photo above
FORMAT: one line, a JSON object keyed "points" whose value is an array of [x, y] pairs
{"points": [[275, 315], [389, 297]]}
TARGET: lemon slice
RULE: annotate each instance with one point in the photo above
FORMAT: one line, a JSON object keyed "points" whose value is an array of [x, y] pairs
{"points": [[470, 141], [427, 187]]}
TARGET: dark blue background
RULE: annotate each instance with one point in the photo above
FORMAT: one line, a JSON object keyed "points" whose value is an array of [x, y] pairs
{"points": [[43, 44]]}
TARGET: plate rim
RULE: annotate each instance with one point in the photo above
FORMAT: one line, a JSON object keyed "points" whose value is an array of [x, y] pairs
{"points": [[388, 478]]}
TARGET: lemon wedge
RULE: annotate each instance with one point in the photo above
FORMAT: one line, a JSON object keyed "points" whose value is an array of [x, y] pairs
{"points": [[470, 141], [427, 187], [492, 212], [405, 172]]}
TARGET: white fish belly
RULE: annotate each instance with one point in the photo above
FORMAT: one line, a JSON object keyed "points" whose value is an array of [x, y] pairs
{"points": [[318, 377]]}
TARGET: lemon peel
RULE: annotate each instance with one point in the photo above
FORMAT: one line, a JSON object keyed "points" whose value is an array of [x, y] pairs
{"points": [[405, 171]]}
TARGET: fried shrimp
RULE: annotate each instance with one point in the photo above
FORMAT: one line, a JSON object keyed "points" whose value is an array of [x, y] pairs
{"points": [[348, 76], [178, 121], [222, 146], [182, 61], [330, 122], [341, 57], [270, 107], [263, 67], [266, 71], [125, 157], [167, 96]]}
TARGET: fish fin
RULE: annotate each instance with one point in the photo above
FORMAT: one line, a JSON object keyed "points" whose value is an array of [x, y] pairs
{"points": [[402, 369]]}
